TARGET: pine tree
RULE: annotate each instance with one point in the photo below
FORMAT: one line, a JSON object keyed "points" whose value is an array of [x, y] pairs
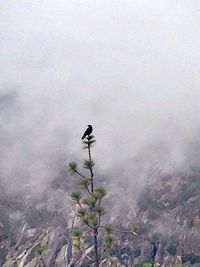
{"points": [[88, 201]]}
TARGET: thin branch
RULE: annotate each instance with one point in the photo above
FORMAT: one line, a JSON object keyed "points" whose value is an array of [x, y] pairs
{"points": [[90, 158], [79, 203], [80, 174], [90, 226], [91, 170], [116, 230], [86, 187], [99, 222]]}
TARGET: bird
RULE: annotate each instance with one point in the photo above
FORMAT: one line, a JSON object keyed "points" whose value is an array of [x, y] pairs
{"points": [[88, 131]]}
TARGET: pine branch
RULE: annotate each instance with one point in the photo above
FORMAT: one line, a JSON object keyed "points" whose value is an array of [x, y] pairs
{"points": [[133, 231], [84, 183], [90, 201], [88, 164], [81, 175], [76, 196], [99, 192], [72, 167]]}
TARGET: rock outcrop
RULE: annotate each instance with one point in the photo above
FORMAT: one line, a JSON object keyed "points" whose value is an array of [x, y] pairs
{"points": [[167, 216]]}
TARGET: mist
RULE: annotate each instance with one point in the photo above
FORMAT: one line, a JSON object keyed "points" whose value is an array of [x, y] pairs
{"points": [[129, 68]]}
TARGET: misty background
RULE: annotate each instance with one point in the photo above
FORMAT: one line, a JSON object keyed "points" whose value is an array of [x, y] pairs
{"points": [[129, 68]]}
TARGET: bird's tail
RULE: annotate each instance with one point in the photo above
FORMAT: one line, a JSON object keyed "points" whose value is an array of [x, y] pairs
{"points": [[83, 136]]}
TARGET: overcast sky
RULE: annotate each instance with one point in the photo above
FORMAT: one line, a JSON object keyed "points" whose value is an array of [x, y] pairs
{"points": [[130, 68]]}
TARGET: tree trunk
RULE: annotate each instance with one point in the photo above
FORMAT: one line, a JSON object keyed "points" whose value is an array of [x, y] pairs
{"points": [[96, 256]]}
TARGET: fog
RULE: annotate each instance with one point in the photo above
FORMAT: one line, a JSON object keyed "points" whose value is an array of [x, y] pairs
{"points": [[129, 68]]}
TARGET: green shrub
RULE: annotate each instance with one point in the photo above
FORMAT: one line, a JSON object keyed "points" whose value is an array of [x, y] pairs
{"points": [[147, 264]]}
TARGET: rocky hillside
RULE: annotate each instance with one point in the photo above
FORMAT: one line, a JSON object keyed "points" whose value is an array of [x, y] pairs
{"points": [[166, 214]]}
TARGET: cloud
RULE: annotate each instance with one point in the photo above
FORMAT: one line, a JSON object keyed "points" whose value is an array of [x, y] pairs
{"points": [[129, 68]]}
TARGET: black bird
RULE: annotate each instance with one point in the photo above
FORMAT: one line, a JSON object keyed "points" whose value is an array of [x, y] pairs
{"points": [[88, 131]]}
